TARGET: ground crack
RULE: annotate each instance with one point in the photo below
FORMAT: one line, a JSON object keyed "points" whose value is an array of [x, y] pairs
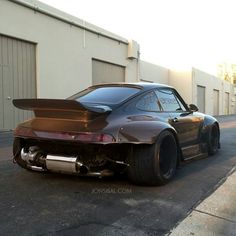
{"points": [[219, 217]]}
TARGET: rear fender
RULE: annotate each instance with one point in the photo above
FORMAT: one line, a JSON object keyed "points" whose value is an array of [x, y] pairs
{"points": [[143, 132]]}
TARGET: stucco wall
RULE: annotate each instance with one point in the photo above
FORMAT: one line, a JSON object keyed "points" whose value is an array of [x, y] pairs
{"points": [[153, 73], [211, 82], [182, 81], [64, 51]]}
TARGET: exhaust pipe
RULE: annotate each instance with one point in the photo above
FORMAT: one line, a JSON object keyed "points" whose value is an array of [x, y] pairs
{"points": [[59, 164], [71, 165], [64, 164], [29, 156]]}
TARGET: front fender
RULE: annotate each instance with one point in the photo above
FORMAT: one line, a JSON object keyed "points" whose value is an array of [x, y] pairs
{"points": [[142, 131], [209, 120]]}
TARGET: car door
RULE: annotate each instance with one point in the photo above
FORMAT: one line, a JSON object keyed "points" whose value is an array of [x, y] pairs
{"points": [[186, 123]]}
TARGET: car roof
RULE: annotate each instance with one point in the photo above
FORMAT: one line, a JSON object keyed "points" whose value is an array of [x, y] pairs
{"points": [[141, 85]]}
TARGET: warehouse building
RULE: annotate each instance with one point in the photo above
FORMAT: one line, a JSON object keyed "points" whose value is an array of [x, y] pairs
{"points": [[46, 53], [211, 94]]}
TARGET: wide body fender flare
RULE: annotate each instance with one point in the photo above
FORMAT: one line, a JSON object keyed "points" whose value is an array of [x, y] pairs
{"points": [[141, 132]]}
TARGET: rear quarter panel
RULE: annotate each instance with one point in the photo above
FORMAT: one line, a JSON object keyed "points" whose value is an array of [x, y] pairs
{"points": [[142, 131]]}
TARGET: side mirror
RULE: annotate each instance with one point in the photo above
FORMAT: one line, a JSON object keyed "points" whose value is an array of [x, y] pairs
{"points": [[193, 107]]}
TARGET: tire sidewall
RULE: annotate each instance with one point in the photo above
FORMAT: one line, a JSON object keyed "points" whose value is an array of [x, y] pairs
{"points": [[213, 149], [165, 177]]}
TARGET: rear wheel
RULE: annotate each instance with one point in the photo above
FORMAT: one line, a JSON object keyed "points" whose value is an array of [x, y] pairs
{"points": [[213, 140], [154, 164]]}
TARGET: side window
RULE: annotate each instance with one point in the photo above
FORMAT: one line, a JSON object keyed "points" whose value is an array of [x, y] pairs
{"points": [[182, 108], [148, 102], [169, 101]]}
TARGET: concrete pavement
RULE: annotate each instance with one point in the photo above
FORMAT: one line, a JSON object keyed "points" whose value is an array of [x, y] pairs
{"points": [[215, 216], [50, 204]]}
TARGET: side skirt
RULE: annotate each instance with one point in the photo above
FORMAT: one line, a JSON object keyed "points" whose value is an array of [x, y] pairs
{"points": [[194, 151]]}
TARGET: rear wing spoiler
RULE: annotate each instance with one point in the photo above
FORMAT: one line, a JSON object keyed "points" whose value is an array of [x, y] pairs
{"points": [[58, 105]]}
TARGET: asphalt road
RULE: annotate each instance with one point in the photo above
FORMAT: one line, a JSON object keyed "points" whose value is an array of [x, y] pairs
{"points": [[51, 204]]}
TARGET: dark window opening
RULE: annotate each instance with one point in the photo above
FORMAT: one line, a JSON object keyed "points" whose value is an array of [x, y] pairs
{"points": [[105, 95]]}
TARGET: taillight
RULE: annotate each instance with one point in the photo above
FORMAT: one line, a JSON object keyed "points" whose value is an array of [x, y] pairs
{"points": [[81, 137], [23, 131], [93, 137], [67, 136]]}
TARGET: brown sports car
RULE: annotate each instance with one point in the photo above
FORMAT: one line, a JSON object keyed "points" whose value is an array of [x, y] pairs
{"points": [[143, 129]]}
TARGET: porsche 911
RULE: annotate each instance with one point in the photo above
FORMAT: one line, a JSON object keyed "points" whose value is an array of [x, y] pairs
{"points": [[144, 130]]}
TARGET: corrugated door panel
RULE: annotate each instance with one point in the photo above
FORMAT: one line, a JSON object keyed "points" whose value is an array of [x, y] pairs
{"points": [[1, 86], [7, 93], [8, 84], [226, 103], [1, 95], [20, 77], [107, 73], [33, 70], [201, 98], [24, 75], [17, 79], [216, 102], [27, 76], [235, 104], [31, 55]]}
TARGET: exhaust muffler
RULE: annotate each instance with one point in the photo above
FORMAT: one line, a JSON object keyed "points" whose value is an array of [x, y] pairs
{"points": [[60, 164], [64, 164]]}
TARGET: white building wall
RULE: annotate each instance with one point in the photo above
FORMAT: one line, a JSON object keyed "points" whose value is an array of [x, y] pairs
{"points": [[186, 84], [211, 82], [64, 51], [182, 82], [153, 73]]}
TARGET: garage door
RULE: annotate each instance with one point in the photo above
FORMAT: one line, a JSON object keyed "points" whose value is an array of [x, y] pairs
{"points": [[104, 72], [226, 103], [201, 98], [17, 79], [235, 104], [216, 102]]}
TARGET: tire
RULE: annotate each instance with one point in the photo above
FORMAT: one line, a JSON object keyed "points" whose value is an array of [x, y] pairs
{"points": [[154, 164], [213, 140]]}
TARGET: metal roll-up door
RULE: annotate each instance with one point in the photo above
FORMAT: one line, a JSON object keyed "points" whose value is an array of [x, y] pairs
{"points": [[216, 102], [201, 98], [104, 72], [226, 103], [234, 104], [17, 79]]}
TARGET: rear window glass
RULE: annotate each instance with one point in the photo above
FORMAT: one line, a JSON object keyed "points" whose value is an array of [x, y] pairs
{"points": [[105, 95]]}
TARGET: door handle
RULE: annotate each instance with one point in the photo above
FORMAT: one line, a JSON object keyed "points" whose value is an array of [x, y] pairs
{"points": [[175, 120]]}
